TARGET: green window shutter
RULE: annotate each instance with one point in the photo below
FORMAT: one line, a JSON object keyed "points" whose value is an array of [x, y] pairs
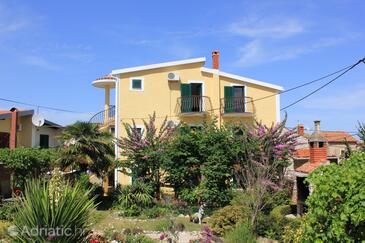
{"points": [[228, 99], [186, 100]]}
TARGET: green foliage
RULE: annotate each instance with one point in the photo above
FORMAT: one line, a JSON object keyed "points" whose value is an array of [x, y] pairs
{"points": [[27, 162], [227, 218], [138, 239], [4, 225], [156, 212], [241, 234], [132, 198], [139, 193], [336, 209], [293, 233], [87, 146], [71, 210], [201, 153], [145, 153], [278, 222], [361, 134], [7, 210]]}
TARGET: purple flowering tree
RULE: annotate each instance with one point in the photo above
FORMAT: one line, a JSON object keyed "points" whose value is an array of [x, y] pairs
{"points": [[144, 151], [263, 155]]}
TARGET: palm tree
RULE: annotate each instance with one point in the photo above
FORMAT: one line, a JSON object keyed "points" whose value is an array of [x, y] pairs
{"points": [[86, 146]]}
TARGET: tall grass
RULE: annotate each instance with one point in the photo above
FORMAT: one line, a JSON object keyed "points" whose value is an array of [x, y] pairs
{"points": [[241, 234], [61, 216]]}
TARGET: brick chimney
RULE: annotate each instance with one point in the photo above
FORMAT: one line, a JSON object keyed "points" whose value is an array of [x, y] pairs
{"points": [[13, 128], [300, 129], [317, 145], [215, 59]]}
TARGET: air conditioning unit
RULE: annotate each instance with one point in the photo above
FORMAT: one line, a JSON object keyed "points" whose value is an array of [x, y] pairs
{"points": [[172, 76]]}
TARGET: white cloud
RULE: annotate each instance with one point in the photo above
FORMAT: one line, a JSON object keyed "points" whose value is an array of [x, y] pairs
{"points": [[39, 61], [259, 51], [268, 27], [343, 100]]}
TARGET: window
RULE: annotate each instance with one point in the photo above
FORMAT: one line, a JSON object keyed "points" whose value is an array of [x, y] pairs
{"points": [[139, 129], [320, 144], [43, 141], [234, 99], [136, 84]]}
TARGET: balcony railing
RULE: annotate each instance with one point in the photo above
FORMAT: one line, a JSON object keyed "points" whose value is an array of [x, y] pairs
{"points": [[193, 104], [105, 117], [241, 105]]}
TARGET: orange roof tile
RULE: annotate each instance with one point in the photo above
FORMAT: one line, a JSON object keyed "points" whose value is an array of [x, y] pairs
{"points": [[308, 167], [109, 76], [338, 136], [301, 153]]}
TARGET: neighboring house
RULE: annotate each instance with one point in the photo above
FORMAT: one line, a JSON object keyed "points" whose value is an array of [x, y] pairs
{"points": [[17, 130], [184, 91], [314, 150]]}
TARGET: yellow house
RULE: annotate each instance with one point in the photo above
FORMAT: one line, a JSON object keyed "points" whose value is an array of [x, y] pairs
{"points": [[184, 91], [25, 135]]}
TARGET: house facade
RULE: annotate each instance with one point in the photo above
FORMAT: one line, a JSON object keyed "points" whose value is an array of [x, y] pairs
{"points": [[184, 91], [17, 130], [313, 150]]}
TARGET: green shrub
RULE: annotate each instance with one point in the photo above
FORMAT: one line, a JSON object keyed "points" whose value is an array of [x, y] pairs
{"points": [[7, 210], [4, 229], [131, 211], [139, 193], [293, 233], [70, 209], [27, 162], [336, 208], [272, 225], [241, 234], [225, 219], [279, 212], [156, 212]]}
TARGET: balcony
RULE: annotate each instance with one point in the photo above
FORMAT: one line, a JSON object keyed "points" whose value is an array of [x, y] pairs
{"points": [[237, 107], [194, 105], [104, 118]]}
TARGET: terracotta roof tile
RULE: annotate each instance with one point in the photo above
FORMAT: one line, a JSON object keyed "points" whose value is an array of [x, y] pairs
{"points": [[302, 153], [308, 167], [109, 76], [338, 136]]}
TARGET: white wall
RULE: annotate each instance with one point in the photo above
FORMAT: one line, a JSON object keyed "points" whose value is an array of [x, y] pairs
{"points": [[51, 132]]}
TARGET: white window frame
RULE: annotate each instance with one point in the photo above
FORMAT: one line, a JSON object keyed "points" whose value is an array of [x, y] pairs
{"points": [[131, 84], [203, 90], [141, 127]]}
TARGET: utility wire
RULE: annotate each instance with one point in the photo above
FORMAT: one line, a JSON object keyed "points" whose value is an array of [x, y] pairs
{"points": [[346, 69], [326, 84], [44, 107]]}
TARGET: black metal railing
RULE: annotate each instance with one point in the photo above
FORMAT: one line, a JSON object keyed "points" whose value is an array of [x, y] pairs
{"points": [[104, 117], [194, 103], [237, 105]]}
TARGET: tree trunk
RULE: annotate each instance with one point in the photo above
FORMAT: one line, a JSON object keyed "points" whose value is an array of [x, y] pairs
{"points": [[105, 185]]}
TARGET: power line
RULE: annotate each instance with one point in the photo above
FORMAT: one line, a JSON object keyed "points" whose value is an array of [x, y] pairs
{"points": [[348, 68], [44, 107], [324, 85]]}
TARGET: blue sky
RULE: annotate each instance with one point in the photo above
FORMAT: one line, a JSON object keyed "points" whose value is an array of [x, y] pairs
{"points": [[52, 50]]}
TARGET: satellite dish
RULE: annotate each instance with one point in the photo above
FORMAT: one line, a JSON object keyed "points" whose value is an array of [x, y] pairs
{"points": [[37, 120]]}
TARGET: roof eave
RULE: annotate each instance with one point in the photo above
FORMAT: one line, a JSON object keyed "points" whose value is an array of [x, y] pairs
{"points": [[243, 79], [158, 65]]}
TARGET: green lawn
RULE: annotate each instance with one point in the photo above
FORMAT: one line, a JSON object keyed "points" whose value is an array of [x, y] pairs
{"points": [[109, 219]]}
